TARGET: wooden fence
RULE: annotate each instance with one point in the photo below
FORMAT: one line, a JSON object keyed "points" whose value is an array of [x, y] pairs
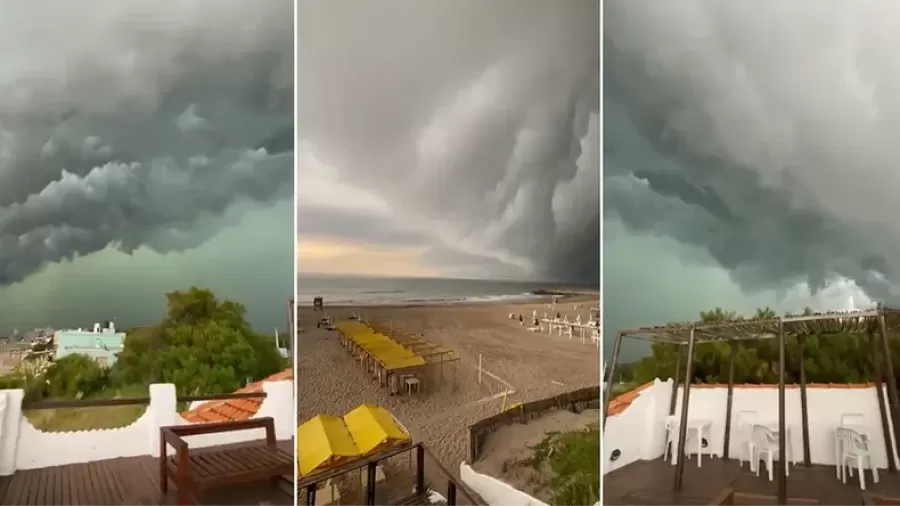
{"points": [[575, 401]]}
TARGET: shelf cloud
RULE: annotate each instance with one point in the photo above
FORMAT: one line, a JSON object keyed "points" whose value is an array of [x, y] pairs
{"points": [[467, 132], [749, 156]]}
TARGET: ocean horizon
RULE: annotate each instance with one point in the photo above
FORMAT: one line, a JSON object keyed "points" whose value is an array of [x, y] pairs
{"points": [[365, 290]]}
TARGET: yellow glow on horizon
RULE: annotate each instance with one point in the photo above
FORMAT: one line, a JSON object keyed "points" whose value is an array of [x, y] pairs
{"points": [[336, 256]]}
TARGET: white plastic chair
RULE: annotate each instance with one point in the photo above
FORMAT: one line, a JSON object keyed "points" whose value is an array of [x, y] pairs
{"points": [[854, 447], [847, 420], [853, 419], [671, 438], [765, 442], [745, 421]]}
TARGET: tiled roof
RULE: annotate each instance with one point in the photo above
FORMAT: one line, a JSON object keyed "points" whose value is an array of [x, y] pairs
{"points": [[620, 403], [624, 400], [234, 409]]}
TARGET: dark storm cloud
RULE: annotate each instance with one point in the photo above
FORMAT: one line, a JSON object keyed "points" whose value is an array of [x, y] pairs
{"points": [[762, 134], [476, 120], [141, 130]]}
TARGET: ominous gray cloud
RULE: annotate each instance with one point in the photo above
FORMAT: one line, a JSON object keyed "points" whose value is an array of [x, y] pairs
{"points": [[749, 153], [468, 128], [135, 126], [131, 129]]}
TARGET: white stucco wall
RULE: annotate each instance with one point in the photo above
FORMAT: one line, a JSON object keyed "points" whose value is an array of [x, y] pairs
{"points": [[639, 431], [494, 491], [22, 446]]}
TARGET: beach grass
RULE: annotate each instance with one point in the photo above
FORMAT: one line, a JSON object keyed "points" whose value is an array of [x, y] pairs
{"points": [[91, 418], [573, 461]]}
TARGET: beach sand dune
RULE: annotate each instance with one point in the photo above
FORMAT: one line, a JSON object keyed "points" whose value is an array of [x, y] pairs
{"points": [[506, 452], [535, 365]]}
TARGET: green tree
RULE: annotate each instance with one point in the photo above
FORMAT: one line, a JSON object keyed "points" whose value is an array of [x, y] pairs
{"points": [[833, 358], [74, 375], [203, 346], [717, 314]]}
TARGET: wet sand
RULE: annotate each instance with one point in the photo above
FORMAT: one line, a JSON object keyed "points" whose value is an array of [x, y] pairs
{"points": [[535, 365]]}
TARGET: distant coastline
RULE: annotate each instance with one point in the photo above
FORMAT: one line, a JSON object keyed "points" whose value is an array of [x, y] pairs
{"points": [[344, 291]]}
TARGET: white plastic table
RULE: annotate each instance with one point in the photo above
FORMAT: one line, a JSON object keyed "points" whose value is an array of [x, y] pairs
{"points": [[862, 430], [697, 425]]}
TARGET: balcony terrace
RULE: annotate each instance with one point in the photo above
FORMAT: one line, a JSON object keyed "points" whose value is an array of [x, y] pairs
{"points": [[121, 466], [803, 423]]}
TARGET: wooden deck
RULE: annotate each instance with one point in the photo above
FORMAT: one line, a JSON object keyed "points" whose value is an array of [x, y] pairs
{"points": [[650, 482], [132, 480]]}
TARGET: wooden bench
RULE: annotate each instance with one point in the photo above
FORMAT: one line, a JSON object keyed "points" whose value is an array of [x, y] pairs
{"points": [[213, 467]]}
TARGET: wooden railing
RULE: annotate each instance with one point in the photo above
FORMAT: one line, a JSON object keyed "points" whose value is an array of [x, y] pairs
{"points": [[134, 401], [575, 401], [455, 489], [726, 496], [869, 500]]}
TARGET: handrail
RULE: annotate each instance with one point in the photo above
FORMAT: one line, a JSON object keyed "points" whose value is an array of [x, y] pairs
{"points": [[525, 411], [310, 481], [314, 478], [726, 496], [869, 499], [134, 401], [458, 485]]}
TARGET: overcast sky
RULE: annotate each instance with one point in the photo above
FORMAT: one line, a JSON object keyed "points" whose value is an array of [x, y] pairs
{"points": [[449, 138], [750, 157], [142, 150]]}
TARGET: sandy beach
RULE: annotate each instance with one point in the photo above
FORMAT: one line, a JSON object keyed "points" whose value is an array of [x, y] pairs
{"points": [[534, 365]]}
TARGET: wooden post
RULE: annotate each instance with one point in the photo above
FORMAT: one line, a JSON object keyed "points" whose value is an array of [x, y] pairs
{"points": [[371, 468], [893, 400], [804, 405], [451, 492], [729, 401], [479, 368], [685, 404], [420, 469], [311, 495], [676, 380], [877, 365], [782, 426]]}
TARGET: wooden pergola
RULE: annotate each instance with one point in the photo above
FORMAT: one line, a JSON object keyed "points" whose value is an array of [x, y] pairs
{"points": [[686, 335]]}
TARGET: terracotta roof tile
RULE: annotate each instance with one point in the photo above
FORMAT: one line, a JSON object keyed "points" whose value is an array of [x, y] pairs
{"points": [[233, 409], [621, 402], [624, 400]]}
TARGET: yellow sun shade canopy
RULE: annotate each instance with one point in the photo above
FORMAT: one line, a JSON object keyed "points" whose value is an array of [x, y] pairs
{"points": [[391, 354], [373, 428], [325, 442]]}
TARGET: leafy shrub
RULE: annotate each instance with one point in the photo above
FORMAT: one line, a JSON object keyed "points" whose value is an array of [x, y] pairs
{"points": [[28, 375], [12, 381], [573, 458], [75, 375]]}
